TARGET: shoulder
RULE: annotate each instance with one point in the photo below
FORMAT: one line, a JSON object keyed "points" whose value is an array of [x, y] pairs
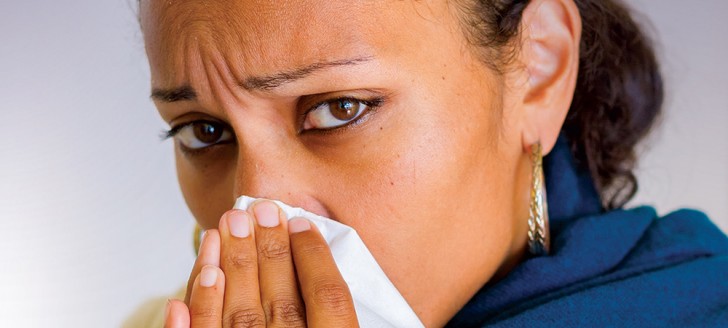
{"points": [[632, 268], [688, 294], [673, 274], [150, 314], [678, 237]]}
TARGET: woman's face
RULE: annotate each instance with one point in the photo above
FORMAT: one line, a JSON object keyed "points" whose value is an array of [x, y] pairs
{"points": [[376, 114]]}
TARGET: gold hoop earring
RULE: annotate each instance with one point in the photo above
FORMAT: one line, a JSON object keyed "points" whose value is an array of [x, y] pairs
{"points": [[539, 242], [197, 238]]}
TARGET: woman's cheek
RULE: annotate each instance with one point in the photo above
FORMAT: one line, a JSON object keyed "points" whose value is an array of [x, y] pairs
{"points": [[207, 183]]}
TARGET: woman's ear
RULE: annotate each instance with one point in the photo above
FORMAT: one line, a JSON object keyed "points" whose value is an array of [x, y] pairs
{"points": [[550, 36]]}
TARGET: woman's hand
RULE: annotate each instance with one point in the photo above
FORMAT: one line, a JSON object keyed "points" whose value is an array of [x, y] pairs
{"points": [[260, 270]]}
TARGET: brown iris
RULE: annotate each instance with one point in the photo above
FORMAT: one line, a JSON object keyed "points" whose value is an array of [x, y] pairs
{"points": [[207, 133], [345, 109]]}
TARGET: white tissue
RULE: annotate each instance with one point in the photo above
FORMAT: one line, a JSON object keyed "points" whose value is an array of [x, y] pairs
{"points": [[377, 301]]}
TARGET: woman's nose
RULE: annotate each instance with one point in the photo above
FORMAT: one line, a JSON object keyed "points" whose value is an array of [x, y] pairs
{"points": [[266, 173], [278, 170]]}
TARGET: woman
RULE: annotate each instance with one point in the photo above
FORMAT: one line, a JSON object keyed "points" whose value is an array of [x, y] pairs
{"points": [[421, 124]]}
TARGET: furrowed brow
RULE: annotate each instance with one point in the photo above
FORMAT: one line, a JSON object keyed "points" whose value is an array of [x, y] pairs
{"points": [[269, 82], [261, 83]]}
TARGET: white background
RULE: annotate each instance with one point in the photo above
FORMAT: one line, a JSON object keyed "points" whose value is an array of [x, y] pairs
{"points": [[91, 217]]}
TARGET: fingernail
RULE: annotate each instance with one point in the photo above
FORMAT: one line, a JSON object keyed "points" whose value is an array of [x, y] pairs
{"points": [[297, 225], [208, 276], [238, 224], [266, 213]]}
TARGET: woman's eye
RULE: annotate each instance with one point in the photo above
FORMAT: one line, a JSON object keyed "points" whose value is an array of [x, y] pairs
{"points": [[335, 113], [201, 134]]}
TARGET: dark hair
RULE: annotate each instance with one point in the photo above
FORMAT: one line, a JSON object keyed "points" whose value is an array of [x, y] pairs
{"points": [[619, 89]]}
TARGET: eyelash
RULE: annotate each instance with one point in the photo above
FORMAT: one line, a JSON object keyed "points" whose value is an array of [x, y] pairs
{"points": [[167, 134], [172, 132], [372, 104]]}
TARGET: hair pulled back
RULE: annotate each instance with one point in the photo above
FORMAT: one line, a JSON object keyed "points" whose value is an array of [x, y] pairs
{"points": [[619, 88]]}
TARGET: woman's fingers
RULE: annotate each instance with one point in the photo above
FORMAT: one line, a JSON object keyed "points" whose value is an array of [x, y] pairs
{"points": [[206, 300], [208, 254], [260, 286], [177, 315], [325, 293], [239, 261], [280, 298]]}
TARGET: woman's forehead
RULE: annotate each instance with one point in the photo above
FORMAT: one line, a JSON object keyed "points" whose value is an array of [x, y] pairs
{"points": [[271, 36], [271, 25]]}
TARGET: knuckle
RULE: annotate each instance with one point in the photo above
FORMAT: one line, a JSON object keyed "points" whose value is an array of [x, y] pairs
{"points": [[245, 319], [313, 248], [206, 312], [240, 259], [288, 313], [272, 249], [333, 297]]}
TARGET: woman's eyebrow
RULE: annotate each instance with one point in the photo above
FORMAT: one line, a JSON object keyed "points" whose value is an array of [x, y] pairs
{"points": [[182, 93], [269, 82], [258, 83]]}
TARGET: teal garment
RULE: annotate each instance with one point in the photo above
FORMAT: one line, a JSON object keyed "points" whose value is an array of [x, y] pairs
{"points": [[623, 268]]}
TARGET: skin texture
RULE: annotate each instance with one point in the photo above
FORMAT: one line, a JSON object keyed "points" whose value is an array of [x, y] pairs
{"points": [[435, 180]]}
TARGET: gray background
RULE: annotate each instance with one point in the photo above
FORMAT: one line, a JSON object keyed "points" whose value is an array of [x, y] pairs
{"points": [[91, 215]]}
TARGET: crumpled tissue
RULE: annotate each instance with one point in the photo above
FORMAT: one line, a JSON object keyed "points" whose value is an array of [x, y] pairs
{"points": [[377, 301]]}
